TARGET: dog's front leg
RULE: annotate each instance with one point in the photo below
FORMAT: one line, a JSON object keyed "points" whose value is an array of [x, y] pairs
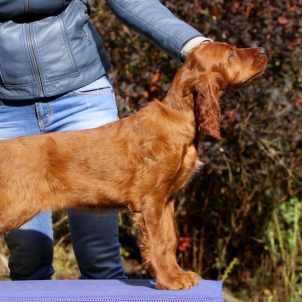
{"points": [[169, 229], [158, 243]]}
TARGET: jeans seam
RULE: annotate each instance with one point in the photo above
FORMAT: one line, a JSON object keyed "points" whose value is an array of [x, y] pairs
{"points": [[39, 118], [113, 100], [49, 115], [41, 123]]}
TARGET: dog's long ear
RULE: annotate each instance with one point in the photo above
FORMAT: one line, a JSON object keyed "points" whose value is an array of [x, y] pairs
{"points": [[207, 109]]}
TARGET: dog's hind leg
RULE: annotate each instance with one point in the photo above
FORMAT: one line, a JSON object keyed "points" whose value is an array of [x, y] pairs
{"points": [[169, 229], [12, 214]]}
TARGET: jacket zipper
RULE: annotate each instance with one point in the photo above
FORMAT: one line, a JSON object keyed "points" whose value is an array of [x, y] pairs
{"points": [[87, 37], [31, 48]]}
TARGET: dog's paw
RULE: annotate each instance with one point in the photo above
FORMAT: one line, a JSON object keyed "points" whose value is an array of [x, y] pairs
{"points": [[183, 281], [192, 277]]}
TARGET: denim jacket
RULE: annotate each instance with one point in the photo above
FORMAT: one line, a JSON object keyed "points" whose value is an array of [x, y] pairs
{"points": [[50, 47]]}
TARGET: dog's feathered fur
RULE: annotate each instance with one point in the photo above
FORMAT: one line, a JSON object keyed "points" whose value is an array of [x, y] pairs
{"points": [[139, 162]]}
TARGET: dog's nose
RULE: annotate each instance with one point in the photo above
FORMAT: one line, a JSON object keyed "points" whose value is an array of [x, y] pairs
{"points": [[262, 51]]}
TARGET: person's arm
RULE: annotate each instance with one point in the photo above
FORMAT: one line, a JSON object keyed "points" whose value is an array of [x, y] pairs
{"points": [[155, 22]]}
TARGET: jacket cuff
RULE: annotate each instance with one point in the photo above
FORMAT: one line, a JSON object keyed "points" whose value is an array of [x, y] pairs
{"points": [[190, 44]]}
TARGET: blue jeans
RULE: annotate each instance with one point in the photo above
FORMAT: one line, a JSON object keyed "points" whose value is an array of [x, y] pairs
{"points": [[95, 238]]}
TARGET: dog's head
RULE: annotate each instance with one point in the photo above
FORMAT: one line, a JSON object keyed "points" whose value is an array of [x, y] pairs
{"points": [[213, 67]]}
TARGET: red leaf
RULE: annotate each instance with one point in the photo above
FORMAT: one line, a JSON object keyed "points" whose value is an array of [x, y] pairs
{"points": [[155, 77]]}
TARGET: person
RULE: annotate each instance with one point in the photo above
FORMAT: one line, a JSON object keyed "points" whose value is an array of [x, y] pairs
{"points": [[54, 77]]}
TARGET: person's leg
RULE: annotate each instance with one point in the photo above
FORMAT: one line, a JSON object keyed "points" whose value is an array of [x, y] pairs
{"points": [[95, 237], [31, 246], [96, 244]]}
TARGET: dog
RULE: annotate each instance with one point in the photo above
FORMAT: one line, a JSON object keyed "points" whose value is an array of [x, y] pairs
{"points": [[139, 162]]}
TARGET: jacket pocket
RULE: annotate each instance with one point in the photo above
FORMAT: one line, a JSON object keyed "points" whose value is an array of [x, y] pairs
{"points": [[64, 43], [15, 63], [80, 37]]}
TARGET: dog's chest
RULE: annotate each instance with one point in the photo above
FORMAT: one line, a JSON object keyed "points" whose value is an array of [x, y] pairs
{"points": [[191, 161], [189, 164]]}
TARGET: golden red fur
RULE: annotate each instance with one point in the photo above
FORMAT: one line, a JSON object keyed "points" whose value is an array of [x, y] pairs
{"points": [[139, 162]]}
